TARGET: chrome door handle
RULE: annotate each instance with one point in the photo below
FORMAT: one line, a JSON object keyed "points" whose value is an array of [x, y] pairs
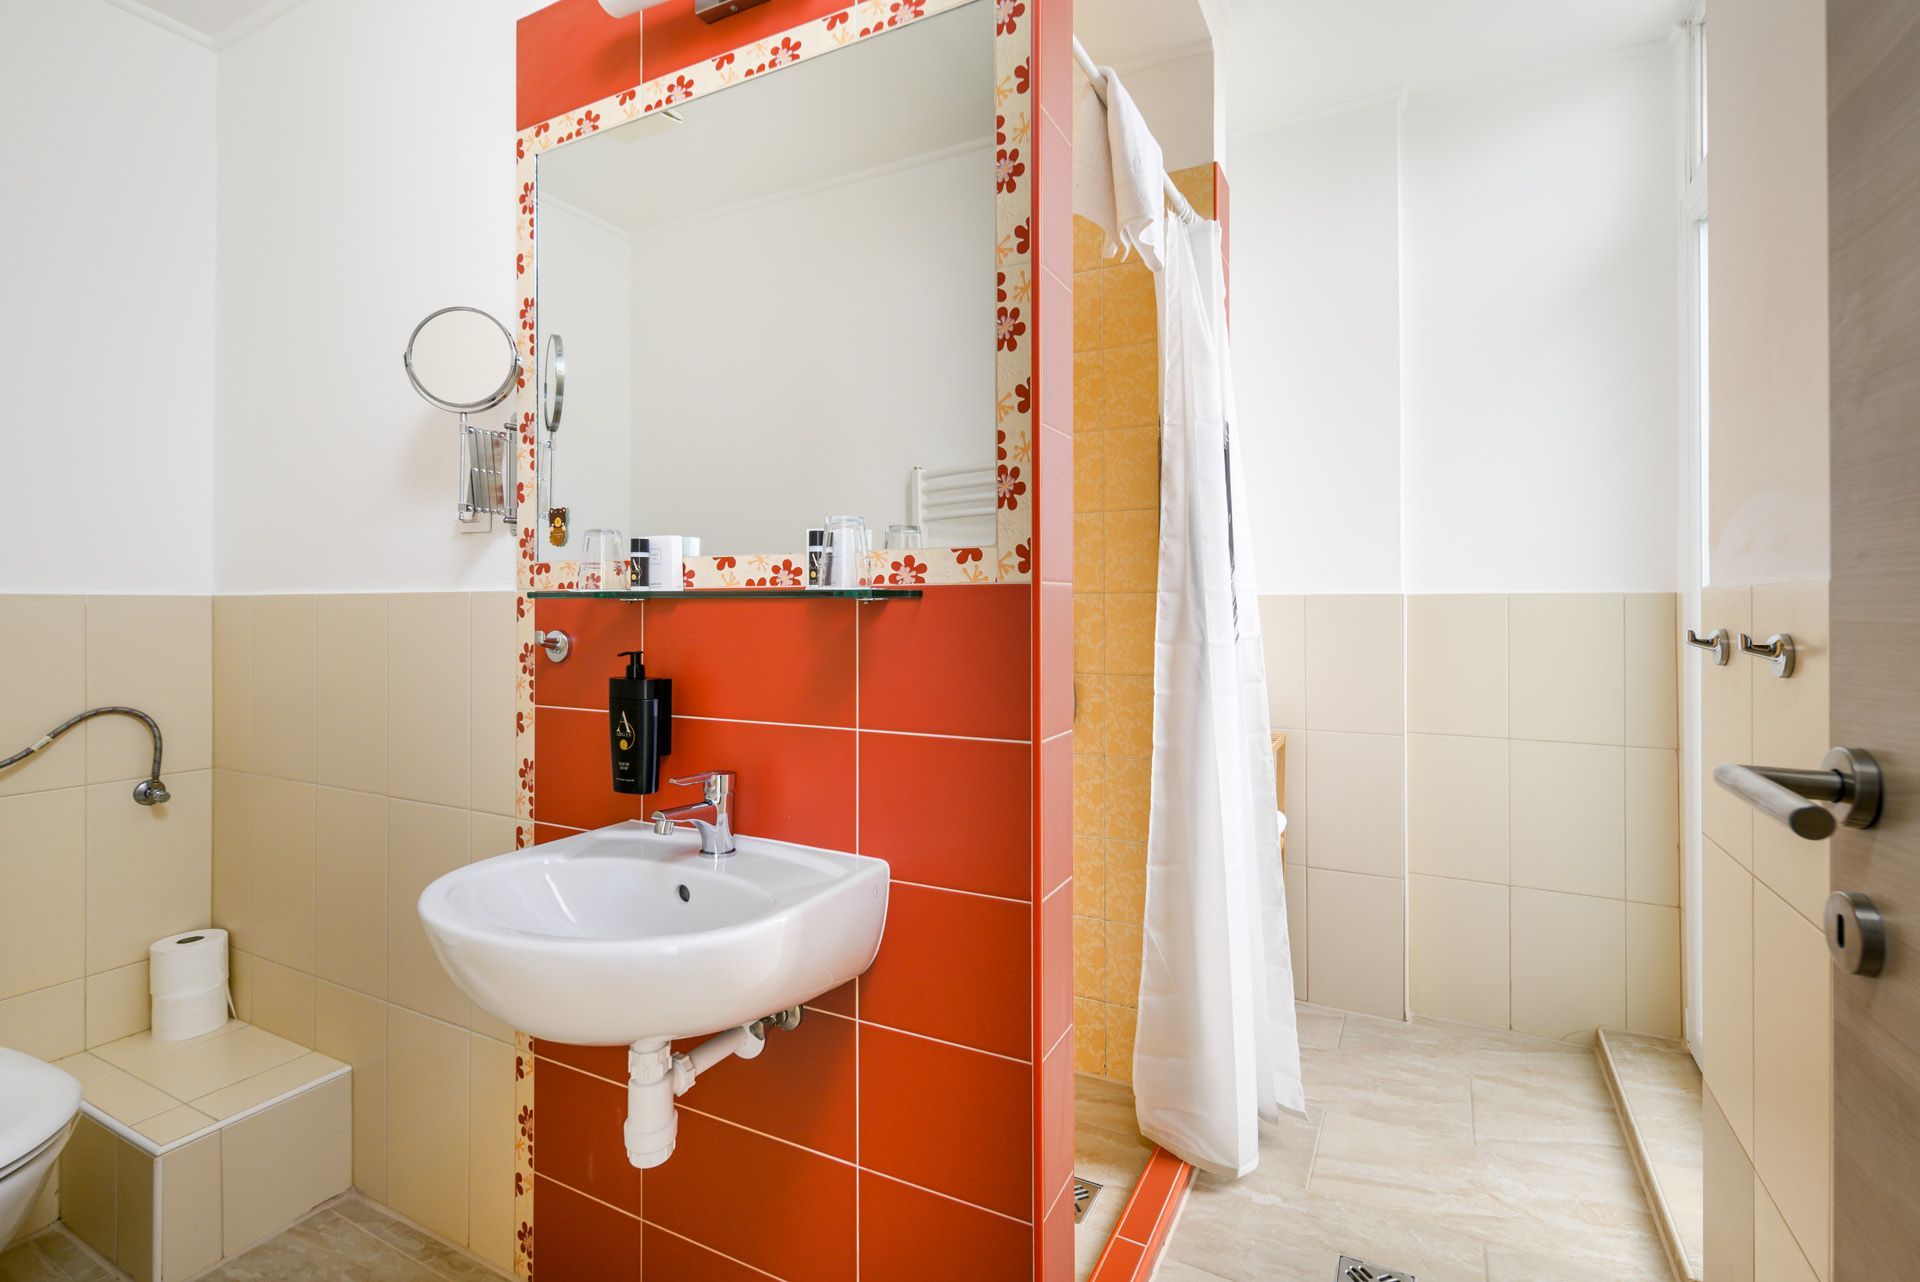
{"points": [[1777, 649], [1717, 641], [1849, 778]]}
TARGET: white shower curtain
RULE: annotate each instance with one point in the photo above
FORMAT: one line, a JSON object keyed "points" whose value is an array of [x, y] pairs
{"points": [[1217, 1047]]}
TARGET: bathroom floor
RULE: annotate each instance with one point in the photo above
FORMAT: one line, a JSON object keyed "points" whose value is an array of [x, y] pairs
{"points": [[1662, 1088], [347, 1238], [1452, 1153], [1107, 1149]]}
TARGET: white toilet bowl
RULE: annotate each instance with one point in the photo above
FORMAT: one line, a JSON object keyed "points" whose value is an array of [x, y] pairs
{"points": [[38, 1107]]}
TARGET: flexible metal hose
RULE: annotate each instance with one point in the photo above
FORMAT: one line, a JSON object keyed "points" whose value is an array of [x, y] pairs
{"points": [[150, 792]]}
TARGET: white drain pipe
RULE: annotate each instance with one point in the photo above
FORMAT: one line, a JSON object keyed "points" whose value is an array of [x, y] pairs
{"points": [[657, 1075]]}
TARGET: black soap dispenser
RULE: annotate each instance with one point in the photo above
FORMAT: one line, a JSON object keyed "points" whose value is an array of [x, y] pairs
{"points": [[640, 721]]}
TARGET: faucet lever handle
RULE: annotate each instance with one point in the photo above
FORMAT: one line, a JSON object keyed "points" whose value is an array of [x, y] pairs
{"points": [[717, 783]]}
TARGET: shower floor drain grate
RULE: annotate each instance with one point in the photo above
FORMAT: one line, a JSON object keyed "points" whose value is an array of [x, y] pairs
{"points": [[1353, 1270], [1084, 1191]]}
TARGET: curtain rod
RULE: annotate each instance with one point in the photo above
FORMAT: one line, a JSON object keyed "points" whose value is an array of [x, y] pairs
{"points": [[1181, 207]]}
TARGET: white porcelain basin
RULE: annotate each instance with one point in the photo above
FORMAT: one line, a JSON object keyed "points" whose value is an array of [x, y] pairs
{"points": [[620, 936]]}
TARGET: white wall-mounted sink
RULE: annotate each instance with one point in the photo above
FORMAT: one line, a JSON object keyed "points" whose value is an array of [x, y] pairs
{"points": [[620, 936]]}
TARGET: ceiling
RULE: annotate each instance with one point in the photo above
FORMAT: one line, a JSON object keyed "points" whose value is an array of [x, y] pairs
{"points": [[1291, 57], [812, 124], [212, 23]]}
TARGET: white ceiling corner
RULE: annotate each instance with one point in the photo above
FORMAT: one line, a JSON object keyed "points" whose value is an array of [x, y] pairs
{"points": [[211, 24]]}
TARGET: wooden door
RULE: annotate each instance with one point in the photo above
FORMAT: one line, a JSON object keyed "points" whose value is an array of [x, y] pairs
{"points": [[1873, 181]]}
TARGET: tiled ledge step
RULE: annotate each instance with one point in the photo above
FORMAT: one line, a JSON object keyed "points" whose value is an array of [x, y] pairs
{"points": [[189, 1152], [1656, 1090]]}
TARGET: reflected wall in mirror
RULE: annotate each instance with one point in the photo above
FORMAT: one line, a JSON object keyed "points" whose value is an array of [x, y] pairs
{"points": [[779, 300]]}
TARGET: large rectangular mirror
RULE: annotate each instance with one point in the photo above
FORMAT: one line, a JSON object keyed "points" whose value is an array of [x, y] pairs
{"points": [[777, 302]]}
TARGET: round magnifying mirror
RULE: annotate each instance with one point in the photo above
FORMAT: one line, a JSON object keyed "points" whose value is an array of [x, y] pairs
{"points": [[553, 382], [462, 360]]}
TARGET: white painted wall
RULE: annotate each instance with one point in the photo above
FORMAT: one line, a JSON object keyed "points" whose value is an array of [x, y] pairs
{"points": [[1177, 100], [1540, 320], [1316, 337], [1767, 500], [366, 178], [1456, 338], [109, 229], [586, 297], [862, 312]]}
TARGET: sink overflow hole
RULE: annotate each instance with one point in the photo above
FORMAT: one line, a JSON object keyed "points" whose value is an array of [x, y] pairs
{"points": [[685, 894]]}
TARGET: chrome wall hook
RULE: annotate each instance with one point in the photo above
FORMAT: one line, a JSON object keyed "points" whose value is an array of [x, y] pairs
{"points": [[1777, 650], [1717, 641], [556, 643]]}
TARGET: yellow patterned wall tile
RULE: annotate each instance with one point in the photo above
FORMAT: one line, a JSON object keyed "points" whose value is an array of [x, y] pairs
{"points": [[1090, 877], [1090, 713], [1088, 294], [1089, 957], [1125, 866], [1089, 1036], [1129, 716], [1089, 794], [1131, 386], [1127, 624], [1127, 310], [1089, 624], [1123, 963], [1196, 184], [1090, 557], [1133, 469], [1128, 784], [1089, 392], [1133, 551], [1120, 1029], [1087, 243], [1089, 473]]}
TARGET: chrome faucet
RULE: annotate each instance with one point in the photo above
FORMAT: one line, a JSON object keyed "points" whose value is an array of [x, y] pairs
{"points": [[711, 817]]}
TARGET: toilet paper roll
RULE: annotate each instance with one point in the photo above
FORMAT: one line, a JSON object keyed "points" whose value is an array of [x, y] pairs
{"points": [[187, 964], [175, 1019]]}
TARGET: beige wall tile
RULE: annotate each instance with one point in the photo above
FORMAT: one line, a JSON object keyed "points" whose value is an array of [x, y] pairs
{"points": [[490, 1132], [1458, 934], [423, 842], [35, 697], [48, 1023], [149, 868], [117, 1003], [1294, 877], [428, 1118], [282, 843], [233, 682], [283, 1001], [1727, 896], [1355, 957], [43, 866], [1728, 1201], [1777, 1256], [496, 673], [154, 653], [285, 686], [491, 835], [351, 727], [1790, 728], [1568, 808], [352, 1027], [190, 1211], [350, 890], [240, 966], [1726, 722], [1457, 665], [429, 674], [261, 1191], [1654, 971], [233, 856], [1569, 964], [138, 1238], [1653, 675], [1356, 794], [1294, 801], [1457, 807], [1653, 826], [89, 1180], [1567, 664], [1283, 633], [252, 1092], [1792, 1069], [1355, 668]]}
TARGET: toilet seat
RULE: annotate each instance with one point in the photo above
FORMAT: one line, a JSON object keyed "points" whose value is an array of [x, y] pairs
{"points": [[37, 1101]]}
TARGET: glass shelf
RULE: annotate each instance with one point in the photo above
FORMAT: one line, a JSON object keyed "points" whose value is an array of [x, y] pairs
{"points": [[732, 594]]}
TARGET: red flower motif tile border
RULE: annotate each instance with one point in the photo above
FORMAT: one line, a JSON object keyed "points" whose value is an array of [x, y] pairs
{"points": [[1009, 560]]}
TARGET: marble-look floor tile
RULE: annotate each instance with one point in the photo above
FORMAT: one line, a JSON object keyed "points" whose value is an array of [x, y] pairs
{"points": [[1319, 1026], [1243, 1235], [1389, 1088], [1543, 1108], [1660, 1084]]}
